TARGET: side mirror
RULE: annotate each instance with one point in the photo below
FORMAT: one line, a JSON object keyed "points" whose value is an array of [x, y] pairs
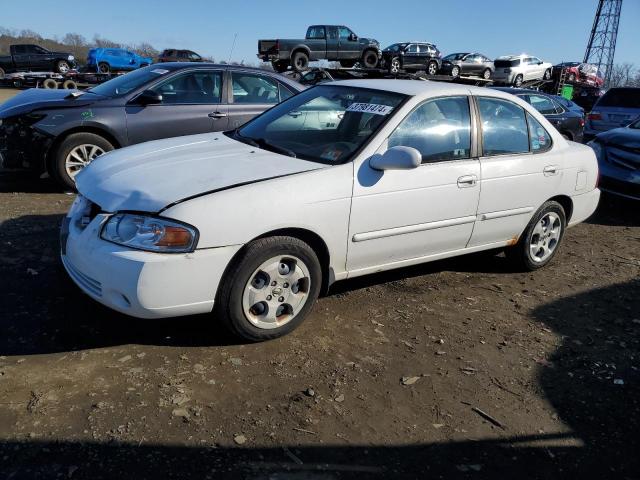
{"points": [[148, 97], [396, 158]]}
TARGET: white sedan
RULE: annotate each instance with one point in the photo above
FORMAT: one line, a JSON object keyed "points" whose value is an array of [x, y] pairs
{"points": [[341, 180]]}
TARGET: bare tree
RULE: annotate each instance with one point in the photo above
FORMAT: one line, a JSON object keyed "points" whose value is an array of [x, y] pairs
{"points": [[74, 40], [100, 42], [146, 50], [30, 34], [623, 74]]}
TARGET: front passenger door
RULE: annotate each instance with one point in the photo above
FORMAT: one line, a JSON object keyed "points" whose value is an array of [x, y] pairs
{"points": [[410, 214], [191, 104]]}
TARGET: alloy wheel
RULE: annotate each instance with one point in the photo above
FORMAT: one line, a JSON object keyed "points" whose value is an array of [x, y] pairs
{"points": [[276, 292], [545, 238], [81, 156], [433, 68]]}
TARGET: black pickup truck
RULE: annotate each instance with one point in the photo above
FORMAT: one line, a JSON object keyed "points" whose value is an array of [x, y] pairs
{"points": [[323, 42], [25, 58]]}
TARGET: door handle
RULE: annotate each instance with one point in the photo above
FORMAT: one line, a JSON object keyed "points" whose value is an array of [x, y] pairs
{"points": [[217, 115], [467, 181], [550, 170]]}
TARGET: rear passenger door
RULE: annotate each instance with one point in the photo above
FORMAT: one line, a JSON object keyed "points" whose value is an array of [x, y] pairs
{"points": [[252, 93], [411, 57], [520, 170], [191, 103]]}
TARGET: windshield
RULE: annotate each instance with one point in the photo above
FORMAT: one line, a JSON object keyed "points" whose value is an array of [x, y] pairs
{"points": [[621, 97], [454, 56], [636, 124], [124, 84], [326, 124]]}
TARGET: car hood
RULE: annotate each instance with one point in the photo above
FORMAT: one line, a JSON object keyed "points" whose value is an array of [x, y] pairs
{"points": [[621, 137], [153, 175], [41, 98]]}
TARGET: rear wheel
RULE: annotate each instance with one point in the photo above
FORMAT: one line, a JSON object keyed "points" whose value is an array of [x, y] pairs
{"points": [[370, 59], [432, 68], [486, 74], [394, 65], [455, 71], [76, 152], [104, 67], [547, 74], [541, 239], [518, 81], [62, 66], [270, 289], [300, 61]]}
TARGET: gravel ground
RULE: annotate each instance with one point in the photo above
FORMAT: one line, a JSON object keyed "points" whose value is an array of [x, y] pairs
{"points": [[456, 369]]}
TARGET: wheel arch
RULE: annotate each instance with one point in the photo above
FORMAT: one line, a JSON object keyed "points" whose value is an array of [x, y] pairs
{"points": [[300, 48], [567, 204]]}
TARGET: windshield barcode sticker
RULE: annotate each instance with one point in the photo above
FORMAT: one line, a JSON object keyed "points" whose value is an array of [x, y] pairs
{"points": [[370, 108]]}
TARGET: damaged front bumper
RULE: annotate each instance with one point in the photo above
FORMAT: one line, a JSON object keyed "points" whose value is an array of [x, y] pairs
{"points": [[22, 146]]}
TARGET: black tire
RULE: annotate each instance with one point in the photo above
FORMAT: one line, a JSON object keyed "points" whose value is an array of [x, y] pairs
{"points": [[300, 61], [432, 68], [104, 67], [486, 74], [62, 66], [69, 85], [1, 74], [280, 66], [394, 65], [60, 154], [228, 305], [520, 254], [547, 74], [455, 71], [347, 63], [571, 78], [50, 84], [518, 81], [370, 59]]}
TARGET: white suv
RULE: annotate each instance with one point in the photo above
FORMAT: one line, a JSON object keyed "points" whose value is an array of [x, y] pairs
{"points": [[516, 69]]}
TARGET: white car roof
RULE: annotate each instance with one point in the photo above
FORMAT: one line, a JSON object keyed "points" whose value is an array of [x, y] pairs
{"points": [[418, 88]]}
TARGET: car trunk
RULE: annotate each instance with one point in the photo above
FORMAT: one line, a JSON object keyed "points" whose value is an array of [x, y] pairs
{"points": [[268, 46]]}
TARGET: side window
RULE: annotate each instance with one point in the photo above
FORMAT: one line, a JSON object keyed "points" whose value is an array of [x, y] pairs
{"points": [[345, 33], [413, 48], [332, 33], [250, 88], [439, 129], [200, 87], [539, 137], [504, 127], [316, 33], [19, 50], [284, 92], [194, 57], [543, 104]]}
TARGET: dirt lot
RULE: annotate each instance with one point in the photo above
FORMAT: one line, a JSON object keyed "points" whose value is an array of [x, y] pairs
{"points": [[551, 357]]}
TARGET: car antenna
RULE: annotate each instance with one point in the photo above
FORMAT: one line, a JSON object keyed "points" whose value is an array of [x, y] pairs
{"points": [[233, 46]]}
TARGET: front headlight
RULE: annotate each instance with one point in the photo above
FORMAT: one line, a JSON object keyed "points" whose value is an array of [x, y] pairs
{"points": [[149, 233], [71, 58]]}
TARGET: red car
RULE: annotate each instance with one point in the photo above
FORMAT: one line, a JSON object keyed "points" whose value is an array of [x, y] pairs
{"points": [[582, 73]]}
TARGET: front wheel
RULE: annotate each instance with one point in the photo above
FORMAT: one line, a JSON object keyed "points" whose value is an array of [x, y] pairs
{"points": [[62, 66], [432, 68], [76, 152], [541, 239], [518, 81], [486, 74], [104, 67], [270, 289], [547, 74], [370, 59], [394, 65], [455, 71]]}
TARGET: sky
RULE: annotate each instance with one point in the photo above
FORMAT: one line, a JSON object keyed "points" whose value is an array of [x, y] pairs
{"points": [[554, 30]]}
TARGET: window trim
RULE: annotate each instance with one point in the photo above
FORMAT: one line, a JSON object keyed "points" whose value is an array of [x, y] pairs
{"points": [[184, 72], [481, 153], [473, 132], [231, 100]]}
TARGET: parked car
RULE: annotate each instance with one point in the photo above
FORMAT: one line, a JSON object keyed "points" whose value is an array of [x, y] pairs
{"points": [[322, 42], [569, 105], [616, 108], [618, 153], [569, 123], [581, 73], [457, 64], [106, 60], [517, 69], [61, 131], [254, 223], [173, 55], [412, 57], [33, 57]]}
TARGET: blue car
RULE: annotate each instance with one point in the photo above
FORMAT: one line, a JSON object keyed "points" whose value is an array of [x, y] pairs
{"points": [[106, 60], [618, 153], [616, 108]]}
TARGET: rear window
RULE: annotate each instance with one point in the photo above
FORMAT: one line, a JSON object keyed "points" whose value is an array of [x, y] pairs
{"points": [[621, 97], [507, 63]]}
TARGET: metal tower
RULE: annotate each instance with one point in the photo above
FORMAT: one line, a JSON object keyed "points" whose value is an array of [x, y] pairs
{"points": [[602, 42]]}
